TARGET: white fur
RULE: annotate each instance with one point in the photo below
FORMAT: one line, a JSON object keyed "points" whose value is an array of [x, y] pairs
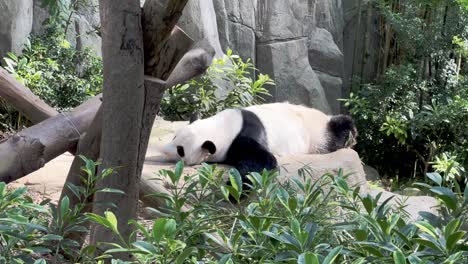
{"points": [[221, 129], [291, 130]]}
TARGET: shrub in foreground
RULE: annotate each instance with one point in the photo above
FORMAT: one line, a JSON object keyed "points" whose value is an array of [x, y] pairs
{"points": [[300, 221]]}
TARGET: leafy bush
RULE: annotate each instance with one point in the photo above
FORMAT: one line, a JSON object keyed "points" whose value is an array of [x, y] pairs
{"points": [[34, 233], [325, 221], [300, 221], [413, 116], [201, 96], [58, 73]]}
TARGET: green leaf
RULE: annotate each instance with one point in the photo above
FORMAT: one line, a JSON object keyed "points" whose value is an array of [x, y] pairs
{"points": [[145, 247], [435, 177], [236, 180], [111, 190], [64, 207], [452, 227], [414, 260], [398, 257], [330, 258], [178, 171], [52, 237], [453, 239], [427, 228], [112, 221], [163, 227], [447, 196], [185, 254], [99, 220], [308, 258]]}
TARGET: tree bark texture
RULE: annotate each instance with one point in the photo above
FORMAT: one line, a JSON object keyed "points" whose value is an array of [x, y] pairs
{"points": [[124, 94], [159, 20]]}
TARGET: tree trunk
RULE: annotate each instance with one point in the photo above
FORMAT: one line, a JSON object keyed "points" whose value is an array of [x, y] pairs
{"points": [[123, 106], [89, 147]]}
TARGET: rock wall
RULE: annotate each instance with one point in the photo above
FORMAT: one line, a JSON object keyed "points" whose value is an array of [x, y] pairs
{"points": [[306, 46], [298, 43], [15, 24], [20, 18]]}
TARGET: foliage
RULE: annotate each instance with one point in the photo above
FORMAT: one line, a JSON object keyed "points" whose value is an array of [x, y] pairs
{"points": [[202, 96], [323, 221], [54, 70], [61, 12], [58, 73], [415, 112], [298, 221], [33, 232]]}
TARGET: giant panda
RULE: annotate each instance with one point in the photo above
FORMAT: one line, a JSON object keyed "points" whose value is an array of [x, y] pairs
{"points": [[251, 138]]}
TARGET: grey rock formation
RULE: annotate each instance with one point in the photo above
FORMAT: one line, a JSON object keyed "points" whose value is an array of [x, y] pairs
{"points": [[310, 47], [82, 31], [287, 63], [40, 15], [270, 31], [199, 21], [15, 25], [371, 173]]}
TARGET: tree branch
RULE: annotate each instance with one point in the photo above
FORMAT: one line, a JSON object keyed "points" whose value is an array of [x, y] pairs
{"points": [[23, 100], [159, 20], [30, 149]]}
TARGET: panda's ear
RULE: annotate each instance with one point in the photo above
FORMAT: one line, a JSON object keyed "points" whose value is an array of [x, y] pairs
{"points": [[209, 146]]}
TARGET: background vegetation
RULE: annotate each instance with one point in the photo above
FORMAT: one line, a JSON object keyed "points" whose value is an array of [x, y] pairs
{"points": [[412, 118], [57, 72], [203, 96]]}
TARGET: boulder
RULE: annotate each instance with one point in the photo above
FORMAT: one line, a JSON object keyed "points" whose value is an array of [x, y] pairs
{"points": [[236, 26], [329, 15], [16, 18], [287, 63], [86, 35], [414, 205], [332, 86], [371, 173], [324, 54]]}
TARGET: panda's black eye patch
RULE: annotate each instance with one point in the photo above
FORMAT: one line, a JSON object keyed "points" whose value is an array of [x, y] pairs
{"points": [[180, 151]]}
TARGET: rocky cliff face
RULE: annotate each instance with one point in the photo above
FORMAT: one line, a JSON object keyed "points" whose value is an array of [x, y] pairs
{"points": [[299, 43]]}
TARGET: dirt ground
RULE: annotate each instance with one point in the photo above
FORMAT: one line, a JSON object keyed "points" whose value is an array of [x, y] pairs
{"points": [[47, 183]]}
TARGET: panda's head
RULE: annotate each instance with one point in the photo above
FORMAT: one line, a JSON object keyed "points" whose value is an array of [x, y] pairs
{"points": [[189, 146]]}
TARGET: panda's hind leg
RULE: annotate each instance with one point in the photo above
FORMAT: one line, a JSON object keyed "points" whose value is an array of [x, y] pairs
{"points": [[247, 156]]}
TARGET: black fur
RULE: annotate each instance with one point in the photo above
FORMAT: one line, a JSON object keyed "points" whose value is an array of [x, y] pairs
{"points": [[249, 150], [247, 155], [253, 128], [210, 146], [340, 127], [180, 151]]}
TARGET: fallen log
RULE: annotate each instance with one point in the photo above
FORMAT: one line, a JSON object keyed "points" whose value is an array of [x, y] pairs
{"points": [[30, 149], [23, 100]]}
